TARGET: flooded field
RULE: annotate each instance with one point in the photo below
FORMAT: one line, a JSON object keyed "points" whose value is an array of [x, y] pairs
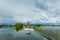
{"points": [[50, 32]]}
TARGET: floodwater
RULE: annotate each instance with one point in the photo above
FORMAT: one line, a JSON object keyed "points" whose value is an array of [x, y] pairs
{"points": [[11, 34], [51, 32]]}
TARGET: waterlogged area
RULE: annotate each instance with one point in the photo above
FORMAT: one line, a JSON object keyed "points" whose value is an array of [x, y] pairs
{"points": [[43, 33], [7, 34], [11, 34], [51, 32]]}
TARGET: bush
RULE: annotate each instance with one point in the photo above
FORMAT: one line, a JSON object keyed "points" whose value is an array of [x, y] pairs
{"points": [[38, 25], [18, 26]]}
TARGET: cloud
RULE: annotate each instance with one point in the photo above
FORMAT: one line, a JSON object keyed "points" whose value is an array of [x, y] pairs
{"points": [[35, 11], [51, 8]]}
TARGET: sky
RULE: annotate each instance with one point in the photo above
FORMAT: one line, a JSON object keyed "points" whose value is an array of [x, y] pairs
{"points": [[34, 11]]}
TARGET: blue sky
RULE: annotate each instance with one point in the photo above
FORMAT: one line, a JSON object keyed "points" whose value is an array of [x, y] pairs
{"points": [[35, 11]]}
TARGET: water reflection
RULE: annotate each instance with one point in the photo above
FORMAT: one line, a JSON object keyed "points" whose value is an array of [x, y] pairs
{"points": [[11, 34], [6, 34], [51, 32]]}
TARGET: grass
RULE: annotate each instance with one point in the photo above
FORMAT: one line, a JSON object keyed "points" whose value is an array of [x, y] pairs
{"points": [[49, 33]]}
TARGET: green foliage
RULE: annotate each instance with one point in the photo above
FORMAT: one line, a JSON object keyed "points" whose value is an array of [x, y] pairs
{"points": [[38, 25], [18, 26], [53, 25], [37, 28], [13, 26], [28, 23], [1, 25]]}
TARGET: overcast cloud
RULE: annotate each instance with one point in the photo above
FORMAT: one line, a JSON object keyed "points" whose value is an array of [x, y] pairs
{"points": [[35, 11]]}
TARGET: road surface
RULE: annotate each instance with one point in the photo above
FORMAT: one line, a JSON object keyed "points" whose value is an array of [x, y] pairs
{"points": [[33, 36]]}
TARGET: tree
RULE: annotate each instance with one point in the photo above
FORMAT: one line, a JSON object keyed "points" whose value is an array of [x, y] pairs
{"points": [[1, 25], [18, 26], [28, 24]]}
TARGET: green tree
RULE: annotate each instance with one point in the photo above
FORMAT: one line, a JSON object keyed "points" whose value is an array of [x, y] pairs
{"points": [[18, 26], [28, 24], [1, 25]]}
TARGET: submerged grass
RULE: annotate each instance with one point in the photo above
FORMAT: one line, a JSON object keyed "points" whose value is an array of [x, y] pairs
{"points": [[49, 33]]}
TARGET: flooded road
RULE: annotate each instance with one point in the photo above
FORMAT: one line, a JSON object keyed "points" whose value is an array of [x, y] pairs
{"points": [[8, 34], [32, 36]]}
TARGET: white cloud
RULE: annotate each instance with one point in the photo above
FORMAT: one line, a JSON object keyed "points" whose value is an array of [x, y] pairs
{"points": [[30, 10]]}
